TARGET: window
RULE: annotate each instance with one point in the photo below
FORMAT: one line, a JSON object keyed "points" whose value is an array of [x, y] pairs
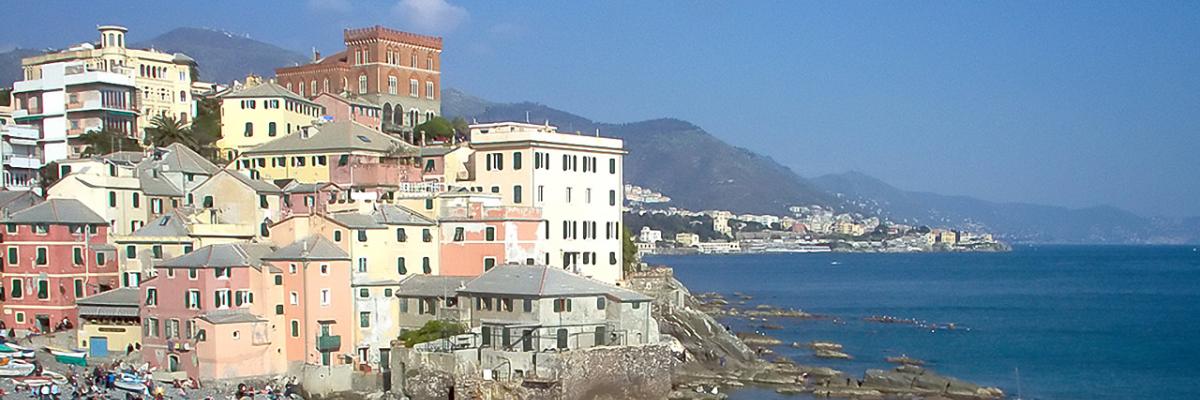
{"points": [[362, 235], [221, 298], [279, 309], [364, 319], [459, 234], [489, 233], [637, 305], [337, 236], [77, 255], [612, 165], [222, 273], [151, 296], [362, 264], [393, 85], [527, 305], [587, 195], [364, 293], [612, 257], [112, 199], [272, 129], [401, 235], [517, 197], [612, 197], [541, 193], [429, 90], [600, 303], [312, 87], [18, 292], [293, 298], [157, 251], [12, 255], [187, 248], [425, 267], [562, 305], [362, 84], [400, 267], [208, 202], [568, 197], [295, 328], [41, 256], [426, 236], [278, 280], [11, 228], [193, 274], [413, 88], [249, 131], [517, 160], [100, 259], [489, 263], [43, 289]]}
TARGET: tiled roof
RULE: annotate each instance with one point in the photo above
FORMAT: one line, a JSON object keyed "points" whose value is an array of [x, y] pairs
{"points": [[340, 136], [57, 211], [430, 286], [18, 200], [310, 248], [125, 296], [544, 281], [179, 158], [265, 89], [172, 224], [257, 185], [239, 254], [230, 317], [381, 217]]}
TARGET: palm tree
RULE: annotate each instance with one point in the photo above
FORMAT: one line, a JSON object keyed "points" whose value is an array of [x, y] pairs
{"points": [[165, 130]]}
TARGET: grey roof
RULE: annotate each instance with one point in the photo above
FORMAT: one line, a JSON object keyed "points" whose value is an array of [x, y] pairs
{"points": [[179, 158], [126, 297], [430, 286], [341, 136], [240, 254], [436, 151], [219, 317], [154, 185], [297, 187], [181, 58], [266, 89], [18, 200], [544, 281], [381, 217], [172, 224], [57, 211], [258, 185], [309, 248], [362, 101], [124, 157]]}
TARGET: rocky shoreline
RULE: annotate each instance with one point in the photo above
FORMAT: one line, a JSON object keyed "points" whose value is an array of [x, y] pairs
{"points": [[715, 360]]}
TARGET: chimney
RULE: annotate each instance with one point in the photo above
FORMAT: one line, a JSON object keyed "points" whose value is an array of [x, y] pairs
{"points": [[316, 54]]}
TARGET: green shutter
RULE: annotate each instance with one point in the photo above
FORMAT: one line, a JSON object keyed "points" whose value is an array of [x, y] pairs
{"points": [[400, 267], [43, 289]]}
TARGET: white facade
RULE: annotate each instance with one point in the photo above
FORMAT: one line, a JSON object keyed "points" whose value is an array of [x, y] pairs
{"points": [[69, 99], [22, 156], [648, 235], [577, 181]]}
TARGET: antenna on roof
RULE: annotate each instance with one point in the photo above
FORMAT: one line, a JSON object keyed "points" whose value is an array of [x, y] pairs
{"points": [[597, 132], [527, 116]]}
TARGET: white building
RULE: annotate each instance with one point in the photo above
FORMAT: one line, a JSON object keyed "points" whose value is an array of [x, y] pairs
{"points": [[648, 235], [576, 179], [21, 155], [69, 99]]}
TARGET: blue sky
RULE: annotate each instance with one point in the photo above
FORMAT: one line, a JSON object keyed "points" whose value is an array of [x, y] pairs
{"points": [[1064, 103]]}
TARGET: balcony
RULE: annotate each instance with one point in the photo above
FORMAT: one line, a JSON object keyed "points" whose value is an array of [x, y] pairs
{"points": [[21, 131], [22, 161], [329, 343], [99, 105]]}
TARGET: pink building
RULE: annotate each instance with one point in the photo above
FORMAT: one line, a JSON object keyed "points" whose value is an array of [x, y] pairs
{"points": [[359, 109], [318, 310], [308, 198], [212, 314], [477, 237], [54, 253]]}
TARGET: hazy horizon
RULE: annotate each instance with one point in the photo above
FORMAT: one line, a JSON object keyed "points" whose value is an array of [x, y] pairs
{"points": [[1070, 104]]}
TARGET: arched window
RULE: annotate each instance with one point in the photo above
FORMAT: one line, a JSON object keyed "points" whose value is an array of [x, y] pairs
{"points": [[312, 87], [387, 113], [413, 116], [362, 84], [398, 116], [249, 129]]}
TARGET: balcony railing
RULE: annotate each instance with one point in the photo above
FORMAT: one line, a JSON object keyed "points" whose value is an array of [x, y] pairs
{"points": [[327, 343]]}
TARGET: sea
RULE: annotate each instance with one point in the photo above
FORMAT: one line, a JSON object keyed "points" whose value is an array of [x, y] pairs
{"points": [[1049, 322]]}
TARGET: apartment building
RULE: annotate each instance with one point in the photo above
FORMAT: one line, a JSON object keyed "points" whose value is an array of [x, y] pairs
{"points": [[360, 109], [399, 71], [171, 235], [70, 98], [22, 156], [260, 112], [318, 311], [479, 233], [54, 253], [576, 179], [162, 81]]}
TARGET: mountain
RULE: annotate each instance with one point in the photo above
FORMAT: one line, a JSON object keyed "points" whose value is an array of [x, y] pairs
{"points": [[1016, 222], [10, 65], [697, 170], [223, 56]]}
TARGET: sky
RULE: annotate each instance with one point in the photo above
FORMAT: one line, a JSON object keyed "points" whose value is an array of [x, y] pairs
{"points": [[1054, 102]]}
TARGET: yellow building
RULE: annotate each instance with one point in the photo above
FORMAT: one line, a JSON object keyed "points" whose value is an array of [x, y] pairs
{"points": [[109, 322], [163, 80], [346, 153], [261, 112]]}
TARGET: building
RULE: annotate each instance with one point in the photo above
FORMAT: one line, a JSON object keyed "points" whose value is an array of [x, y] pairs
{"points": [[69, 98], [648, 235], [212, 314], [575, 179], [260, 112], [425, 298], [54, 253], [318, 310], [230, 197], [16, 200], [538, 308], [478, 233], [359, 109], [22, 156], [400, 71], [720, 222], [109, 321], [719, 247], [171, 235], [687, 239], [445, 164], [346, 153], [162, 81]]}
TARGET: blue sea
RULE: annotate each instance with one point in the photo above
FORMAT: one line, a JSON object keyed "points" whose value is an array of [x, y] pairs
{"points": [[1078, 322]]}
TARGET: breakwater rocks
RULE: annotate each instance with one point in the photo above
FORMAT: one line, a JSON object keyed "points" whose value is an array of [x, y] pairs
{"points": [[714, 360]]}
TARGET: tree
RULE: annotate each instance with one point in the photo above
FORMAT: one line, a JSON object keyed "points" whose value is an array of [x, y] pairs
{"points": [[628, 249], [461, 127], [206, 128], [436, 128], [98, 143], [166, 130]]}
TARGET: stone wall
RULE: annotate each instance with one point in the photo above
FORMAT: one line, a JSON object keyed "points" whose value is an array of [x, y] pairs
{"points": [[625, 372]]}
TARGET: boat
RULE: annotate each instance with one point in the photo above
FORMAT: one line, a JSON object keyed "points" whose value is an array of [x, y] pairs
{"points": [[11, 367], [15, 351], [131, 383], [46, 378], [73, 357]]}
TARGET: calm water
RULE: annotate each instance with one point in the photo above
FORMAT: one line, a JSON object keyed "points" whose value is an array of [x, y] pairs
{"points": [[1080, 322]]}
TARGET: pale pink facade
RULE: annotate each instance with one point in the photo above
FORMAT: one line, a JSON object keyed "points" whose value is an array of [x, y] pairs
{"points": [[476, 237], [342, 109]]}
